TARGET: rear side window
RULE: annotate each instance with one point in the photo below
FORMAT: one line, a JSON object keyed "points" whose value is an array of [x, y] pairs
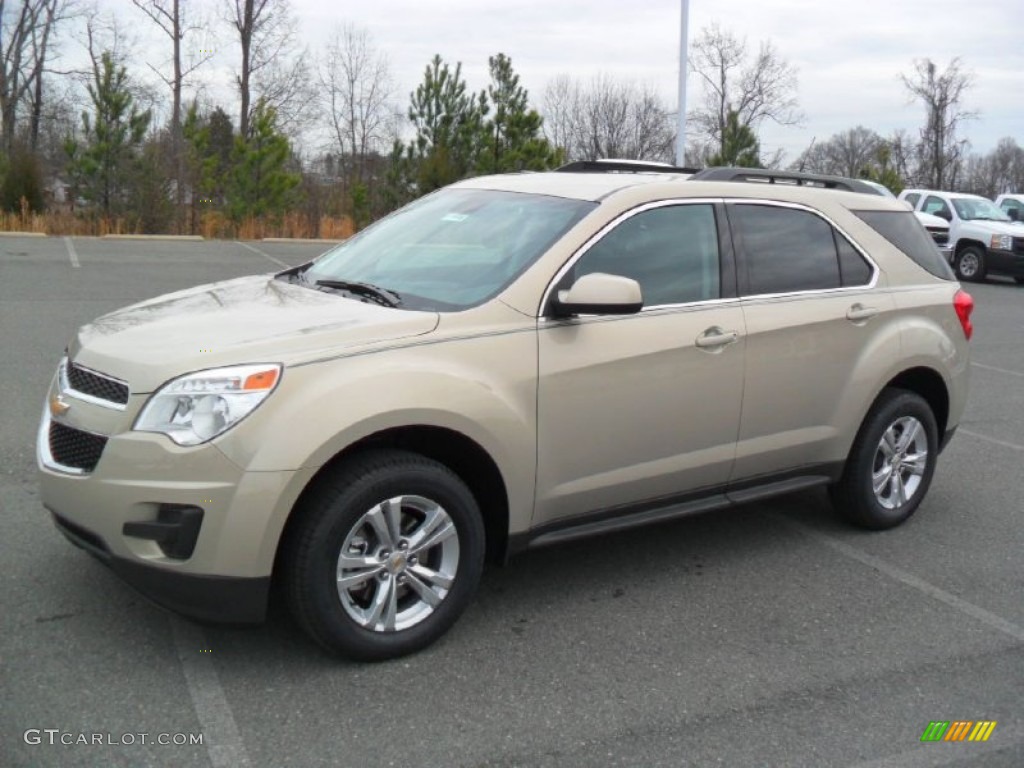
{"points": [[785, 249], [904, 231], [912, 198], [852, 267]]}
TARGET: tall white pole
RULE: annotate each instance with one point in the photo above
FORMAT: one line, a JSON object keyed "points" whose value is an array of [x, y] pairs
{"points": [[684, 14]]}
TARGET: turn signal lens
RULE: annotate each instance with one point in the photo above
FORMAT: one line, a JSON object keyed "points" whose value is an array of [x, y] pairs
{"points": [[262, 380]]}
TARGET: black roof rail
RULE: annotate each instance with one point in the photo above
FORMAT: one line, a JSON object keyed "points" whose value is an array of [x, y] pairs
{"points": [[621, 166], [793, 178]]}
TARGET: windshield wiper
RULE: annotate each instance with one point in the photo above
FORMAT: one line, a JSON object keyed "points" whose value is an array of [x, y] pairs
{"points": [[381, 295]]}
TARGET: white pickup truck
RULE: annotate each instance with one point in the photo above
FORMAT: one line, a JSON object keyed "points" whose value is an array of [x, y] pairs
{"points": [[984, 239], [1012, 205]]}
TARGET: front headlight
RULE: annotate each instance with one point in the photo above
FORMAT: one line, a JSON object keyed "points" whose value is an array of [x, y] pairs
{"points": [[199, 406], [1002, 242]]}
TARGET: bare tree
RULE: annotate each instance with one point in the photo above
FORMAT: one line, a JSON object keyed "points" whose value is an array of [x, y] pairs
{"points": [[25, 34], [849, 153], [357, 92], [607, 118], [757, 89], [272, 68], [940, 152], [1001, 170], [170, 17]]}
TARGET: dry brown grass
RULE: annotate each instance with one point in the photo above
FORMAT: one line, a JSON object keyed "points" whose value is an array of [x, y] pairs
{"points": [[212, 225]]}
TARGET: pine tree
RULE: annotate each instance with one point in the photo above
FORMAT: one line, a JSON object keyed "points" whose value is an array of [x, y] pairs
{"points": [[260, 183], [448, 122], [740, 146], [512, 138], [102, 167]]}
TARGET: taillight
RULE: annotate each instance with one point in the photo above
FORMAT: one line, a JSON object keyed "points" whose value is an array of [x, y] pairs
{"points": [[964, 305]]}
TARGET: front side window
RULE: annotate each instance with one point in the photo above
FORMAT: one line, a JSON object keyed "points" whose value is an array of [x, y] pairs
{"points": [[937, 207], [785, 249], [453, 249], [672, 252]]}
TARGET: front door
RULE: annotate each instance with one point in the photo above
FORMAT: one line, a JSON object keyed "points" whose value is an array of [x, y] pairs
{"points": [[643, 407]]}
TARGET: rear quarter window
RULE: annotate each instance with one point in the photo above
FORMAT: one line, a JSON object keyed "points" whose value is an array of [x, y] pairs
{"points": [[904, 231]]}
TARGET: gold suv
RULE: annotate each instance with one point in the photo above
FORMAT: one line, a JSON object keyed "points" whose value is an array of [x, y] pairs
{"points": [[510, 362]]}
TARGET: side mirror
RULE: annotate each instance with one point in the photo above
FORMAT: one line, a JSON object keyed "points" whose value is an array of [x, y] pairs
{"points": [[944, 214], [599, 294], [1013, 213]]}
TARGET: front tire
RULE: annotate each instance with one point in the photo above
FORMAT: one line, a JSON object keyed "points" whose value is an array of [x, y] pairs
{"points": [[891, 464], [385, 556], [970, 264]]}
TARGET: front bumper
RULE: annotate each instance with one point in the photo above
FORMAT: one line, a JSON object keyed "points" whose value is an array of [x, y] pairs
{"points": [[1010, 263], [118, 511], [220, 599]]}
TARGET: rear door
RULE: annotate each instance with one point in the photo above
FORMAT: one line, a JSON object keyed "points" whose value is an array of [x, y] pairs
{"points": [[810, 310]]}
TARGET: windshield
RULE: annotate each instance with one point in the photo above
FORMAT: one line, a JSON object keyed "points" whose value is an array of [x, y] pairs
{"points": [[453, 249], [969, 208]]}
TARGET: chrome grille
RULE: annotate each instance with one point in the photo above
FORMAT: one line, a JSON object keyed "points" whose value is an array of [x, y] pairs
{"points": [[940, 236], [96, 385], [74, 448]]}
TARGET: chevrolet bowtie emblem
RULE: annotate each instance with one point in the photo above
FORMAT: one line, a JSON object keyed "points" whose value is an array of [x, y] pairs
{"points": [[58, 406]]}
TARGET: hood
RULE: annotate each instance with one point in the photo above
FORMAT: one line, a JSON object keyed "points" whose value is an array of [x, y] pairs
{"points": [[1015, 228], [248, 320], [931, 220]]}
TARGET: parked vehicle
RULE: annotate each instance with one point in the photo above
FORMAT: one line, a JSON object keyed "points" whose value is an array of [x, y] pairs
{"points": [[984, 239], [1012, 206], [510, 362]]}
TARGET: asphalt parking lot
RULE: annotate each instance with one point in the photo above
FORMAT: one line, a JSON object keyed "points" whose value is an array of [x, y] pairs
{"points": [[773, 635]]}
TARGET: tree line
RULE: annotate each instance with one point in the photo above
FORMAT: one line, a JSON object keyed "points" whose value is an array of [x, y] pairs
{"points": [[135, 141]]}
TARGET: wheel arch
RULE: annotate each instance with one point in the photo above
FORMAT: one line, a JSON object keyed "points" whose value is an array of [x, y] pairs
{"points": [[966, 242], [929, 385], [461, 454]]}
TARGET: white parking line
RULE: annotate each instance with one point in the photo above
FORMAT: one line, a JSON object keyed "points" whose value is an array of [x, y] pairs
{"points": [[72, 254], [1000, 370], [1003, 443], [254, 249], [220, 731], [909, 579]]}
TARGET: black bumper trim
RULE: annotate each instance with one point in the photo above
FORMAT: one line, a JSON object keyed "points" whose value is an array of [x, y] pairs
{"points": [[215, 599]]}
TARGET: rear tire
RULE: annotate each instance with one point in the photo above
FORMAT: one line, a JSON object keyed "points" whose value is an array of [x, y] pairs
{"points": [[969, 264], [891, 463], [384, 556]]}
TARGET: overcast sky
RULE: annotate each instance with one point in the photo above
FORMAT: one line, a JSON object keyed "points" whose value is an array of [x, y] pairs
{"points": [[849, 56]]}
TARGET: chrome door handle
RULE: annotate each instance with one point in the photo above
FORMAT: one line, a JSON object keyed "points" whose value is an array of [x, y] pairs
{"points": [[859, 312], [715, 337]]}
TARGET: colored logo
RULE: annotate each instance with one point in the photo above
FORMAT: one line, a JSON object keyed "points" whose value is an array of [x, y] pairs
{"points": [[958, 730]]}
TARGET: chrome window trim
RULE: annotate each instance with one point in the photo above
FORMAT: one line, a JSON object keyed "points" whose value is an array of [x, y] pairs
{"points": [[844, 289], [593, 239], [875, 270], [65, 388]]}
